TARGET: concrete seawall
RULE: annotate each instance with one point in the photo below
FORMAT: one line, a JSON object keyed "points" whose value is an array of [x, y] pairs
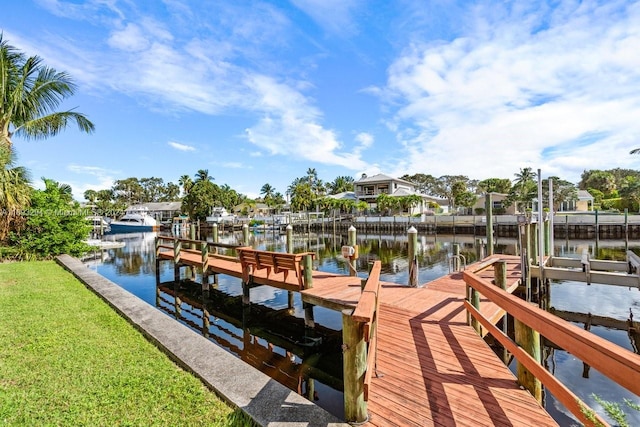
{"points": [[266, 401]]}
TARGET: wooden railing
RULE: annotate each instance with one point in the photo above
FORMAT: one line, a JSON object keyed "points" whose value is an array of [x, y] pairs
{"points": [[617, 363], [359, 347]]}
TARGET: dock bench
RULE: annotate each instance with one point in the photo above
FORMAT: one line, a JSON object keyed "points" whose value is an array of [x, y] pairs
{"points": [[278, 262]]}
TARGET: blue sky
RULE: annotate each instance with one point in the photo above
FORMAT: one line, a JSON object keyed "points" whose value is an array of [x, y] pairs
{"points": [[258, 92]]}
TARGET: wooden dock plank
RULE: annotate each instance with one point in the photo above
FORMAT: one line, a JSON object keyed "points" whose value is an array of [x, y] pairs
{"points": [[436, 370]]}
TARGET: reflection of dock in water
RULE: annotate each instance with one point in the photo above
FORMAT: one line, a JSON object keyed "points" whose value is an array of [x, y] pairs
{"points": [[629, 325], [295, 356]]}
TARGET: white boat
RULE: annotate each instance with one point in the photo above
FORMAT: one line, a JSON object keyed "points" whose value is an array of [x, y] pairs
{"points": [[220, 214], [136, 218]]}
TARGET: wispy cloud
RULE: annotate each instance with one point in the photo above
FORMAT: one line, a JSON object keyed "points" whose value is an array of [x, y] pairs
{"points": [[181, 147], [235, 165], [220, 63], [103, 179], [334, 16], [518, 83]]}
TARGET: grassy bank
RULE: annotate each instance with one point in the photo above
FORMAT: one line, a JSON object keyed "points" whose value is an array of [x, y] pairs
{"points": [[66, 358]]}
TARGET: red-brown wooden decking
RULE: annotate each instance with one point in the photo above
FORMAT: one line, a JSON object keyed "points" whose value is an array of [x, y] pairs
{"points": [[436, 370]]}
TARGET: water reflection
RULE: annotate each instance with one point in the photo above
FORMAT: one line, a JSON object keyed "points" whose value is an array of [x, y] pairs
{"points": [[273, 338]]}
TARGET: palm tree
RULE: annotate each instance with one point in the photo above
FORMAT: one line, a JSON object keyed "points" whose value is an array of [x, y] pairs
{"points": [[30, 92], [524, 188], [90, 196], [635, 151], [203, 175], [15, 191], [186, 183], [267, 191]]}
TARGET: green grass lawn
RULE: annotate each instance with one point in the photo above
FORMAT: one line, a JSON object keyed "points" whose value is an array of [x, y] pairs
{"points": [[66, 358]]}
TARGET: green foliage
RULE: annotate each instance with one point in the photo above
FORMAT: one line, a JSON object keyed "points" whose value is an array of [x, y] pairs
{"points": [[495, 185], [198, 203], [55, 224]]}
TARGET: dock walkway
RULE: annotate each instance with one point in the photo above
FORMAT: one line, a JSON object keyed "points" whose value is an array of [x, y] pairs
{"points": [[436, 370]]}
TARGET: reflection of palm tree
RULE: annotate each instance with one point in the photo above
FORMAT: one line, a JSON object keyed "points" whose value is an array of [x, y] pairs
{"points": [[30, 91]]}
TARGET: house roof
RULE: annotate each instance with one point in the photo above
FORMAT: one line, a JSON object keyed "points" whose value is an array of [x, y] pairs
{"points": [[381, 178], [346, 195], [584, 195]]}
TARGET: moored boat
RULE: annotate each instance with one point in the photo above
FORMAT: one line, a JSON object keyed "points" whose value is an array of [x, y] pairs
{"points": [[136, 218]]}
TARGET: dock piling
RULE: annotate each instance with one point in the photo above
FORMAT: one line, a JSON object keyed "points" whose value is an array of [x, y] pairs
{"points": [[529, 340], [355, 364]]}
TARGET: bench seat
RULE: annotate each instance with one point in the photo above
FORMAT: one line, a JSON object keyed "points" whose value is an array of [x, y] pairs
{"points": [[276, 262]]}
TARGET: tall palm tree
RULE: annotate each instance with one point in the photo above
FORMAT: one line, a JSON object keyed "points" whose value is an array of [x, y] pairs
{"points": [[15, 191], [29, 94]]}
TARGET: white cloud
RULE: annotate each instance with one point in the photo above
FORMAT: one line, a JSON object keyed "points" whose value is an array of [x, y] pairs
{"points": [[221, 62], [181, 147], [540, 88], [103, 179], [235, 165], [290, 127], [334, 16]]}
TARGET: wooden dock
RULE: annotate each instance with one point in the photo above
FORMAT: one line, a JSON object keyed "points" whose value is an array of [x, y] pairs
{"points": [[436, 370]]}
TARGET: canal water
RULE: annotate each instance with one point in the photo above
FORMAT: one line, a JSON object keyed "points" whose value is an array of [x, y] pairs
{"points": [[272, 337]]}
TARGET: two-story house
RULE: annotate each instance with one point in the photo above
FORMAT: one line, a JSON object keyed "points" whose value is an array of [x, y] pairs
{"points": [[368, 188]]}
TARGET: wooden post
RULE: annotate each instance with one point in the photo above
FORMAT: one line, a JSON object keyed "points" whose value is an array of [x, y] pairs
{"points": [[500, 277], [290, 238], [308, 284], [246, 299], [157, 261], [547, 237], [214, 236], [245, 234], [192, 235], [352, 241], [456, 257], [354, 365], [488, 207], [177, 247], [290, 250], [529, 340], [475, 302], [205, 265], [479, 250], [412, 236]]}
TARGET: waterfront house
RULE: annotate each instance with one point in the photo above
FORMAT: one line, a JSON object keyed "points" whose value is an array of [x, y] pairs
{"points": [[498, 205], [583, 203], [368, 188]]}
